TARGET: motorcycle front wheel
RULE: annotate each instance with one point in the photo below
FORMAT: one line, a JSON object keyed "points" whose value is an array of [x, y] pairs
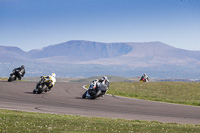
{"points": [[11, 78], [84, 95]]}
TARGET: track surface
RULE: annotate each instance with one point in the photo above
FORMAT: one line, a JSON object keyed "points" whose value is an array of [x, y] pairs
{"points": [[65, 98]]}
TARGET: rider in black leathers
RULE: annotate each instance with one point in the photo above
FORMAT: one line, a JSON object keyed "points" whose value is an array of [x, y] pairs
{"points": [[20, 71]]}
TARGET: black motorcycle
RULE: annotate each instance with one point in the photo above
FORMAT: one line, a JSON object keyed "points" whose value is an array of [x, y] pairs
{"points": [[14, 75], [42, 86]]}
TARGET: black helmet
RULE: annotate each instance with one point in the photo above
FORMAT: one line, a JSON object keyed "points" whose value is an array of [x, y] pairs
{"points": [[22, 67]]}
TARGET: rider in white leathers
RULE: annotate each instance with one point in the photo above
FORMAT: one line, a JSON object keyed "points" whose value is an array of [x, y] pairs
{"points": [[146, 77], [52, 79], [103, 84]]}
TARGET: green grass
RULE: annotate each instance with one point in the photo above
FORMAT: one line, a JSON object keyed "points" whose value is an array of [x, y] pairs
{"points": [[3, 79], [25, 122], [172, 92], [111, 79], [85, 80]]}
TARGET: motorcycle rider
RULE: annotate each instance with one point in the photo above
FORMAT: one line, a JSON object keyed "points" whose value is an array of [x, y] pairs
{"points": [[20, 71], [52, 80], [97, 88], [103, 82], [145, 77]]}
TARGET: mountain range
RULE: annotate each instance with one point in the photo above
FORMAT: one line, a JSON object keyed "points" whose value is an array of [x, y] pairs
{"points": [[86, 58]]}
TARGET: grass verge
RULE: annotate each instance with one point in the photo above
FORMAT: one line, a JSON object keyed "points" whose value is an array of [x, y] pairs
{"points": [[3, 79], [172, 92], [26, 122]]}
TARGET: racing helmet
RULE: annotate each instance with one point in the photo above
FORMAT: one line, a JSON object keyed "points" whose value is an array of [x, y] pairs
{"points": [[53, 75], [22, 67], [105, 78]]}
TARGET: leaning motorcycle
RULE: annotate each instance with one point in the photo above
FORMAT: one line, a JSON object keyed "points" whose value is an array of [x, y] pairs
{"points": [[13, 76], [42, 86], [143, 80], [95, 92]]}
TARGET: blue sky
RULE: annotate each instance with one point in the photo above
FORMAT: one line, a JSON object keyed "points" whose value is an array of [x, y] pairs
{"points": [[34, 24]]}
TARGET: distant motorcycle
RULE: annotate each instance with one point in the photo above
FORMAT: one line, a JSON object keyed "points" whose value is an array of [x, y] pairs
{"points": [[144, 80], [42, 86], [13, 76], [95, 92]]}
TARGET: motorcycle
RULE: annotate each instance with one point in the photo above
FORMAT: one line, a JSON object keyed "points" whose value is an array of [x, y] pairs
{"points": [[94, 92], [144, 80], [13, 76], [42, 86]]}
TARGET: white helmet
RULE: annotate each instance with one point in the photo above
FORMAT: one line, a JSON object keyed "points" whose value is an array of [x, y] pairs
{"points": [[105, 77], [53, 75]]}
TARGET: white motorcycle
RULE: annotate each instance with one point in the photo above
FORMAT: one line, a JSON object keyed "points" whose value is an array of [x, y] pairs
{"points": [[94, 92]]}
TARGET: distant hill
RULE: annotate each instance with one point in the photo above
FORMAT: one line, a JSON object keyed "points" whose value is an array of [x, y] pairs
{"points": [[87, 59], [153, 54], [12, 54], [81, 50]]}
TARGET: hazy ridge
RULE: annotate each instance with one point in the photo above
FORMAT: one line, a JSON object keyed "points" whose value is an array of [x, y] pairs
{"points": [[86, 58]]}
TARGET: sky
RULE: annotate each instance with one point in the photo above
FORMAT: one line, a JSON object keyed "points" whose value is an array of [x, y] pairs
{"points": [[34, 24]]}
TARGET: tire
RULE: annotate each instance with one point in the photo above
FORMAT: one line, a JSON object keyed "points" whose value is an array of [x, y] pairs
{"points": [[34, 91], [40, 90], [11, 78], [84, 95]]}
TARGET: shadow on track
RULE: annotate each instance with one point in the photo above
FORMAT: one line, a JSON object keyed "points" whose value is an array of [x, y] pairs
{"points": [[29, 92]]}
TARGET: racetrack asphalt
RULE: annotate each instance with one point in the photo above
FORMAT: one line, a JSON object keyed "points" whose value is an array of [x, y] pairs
{"points": [[65, 98]]}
